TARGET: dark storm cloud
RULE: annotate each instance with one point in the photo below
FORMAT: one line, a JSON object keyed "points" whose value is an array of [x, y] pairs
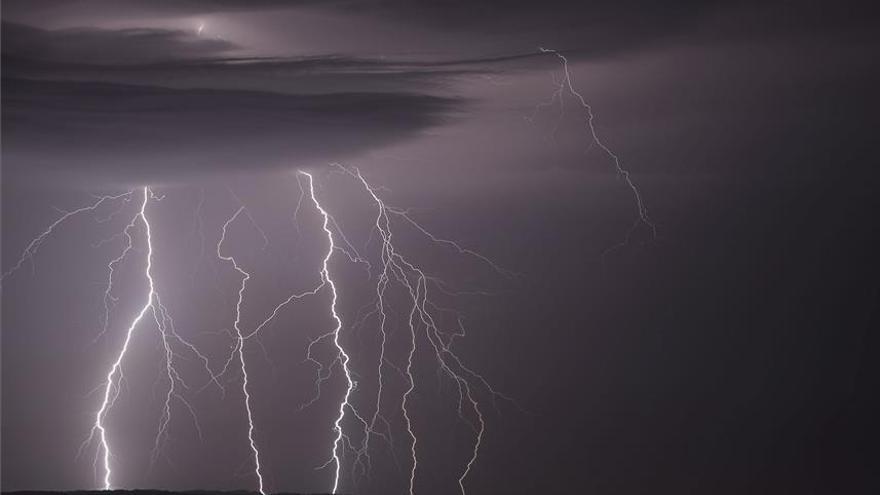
{"points": [[179, 59], [111, 47], [588, 29], [280, 75], [596, 28], [109, 132], [152, 104], [20, 7]]}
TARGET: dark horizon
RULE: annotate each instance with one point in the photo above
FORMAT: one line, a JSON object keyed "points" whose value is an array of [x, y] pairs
{"points": [[142, 491]]}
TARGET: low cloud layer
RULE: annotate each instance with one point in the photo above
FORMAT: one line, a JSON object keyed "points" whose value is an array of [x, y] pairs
{"points": [[137, 92], [122, 47], [99, 131], [160, 105]]}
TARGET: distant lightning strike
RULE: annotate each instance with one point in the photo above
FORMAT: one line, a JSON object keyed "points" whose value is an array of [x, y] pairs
{"points": [[164, 323], [326, 278], [423, 322], [239, 347], [111, 390], [241, 337], [565, 84], [396, 268]]}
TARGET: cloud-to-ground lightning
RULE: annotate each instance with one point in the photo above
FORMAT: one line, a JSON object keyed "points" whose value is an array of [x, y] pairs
{"points": [[241, 336], [326, 278], [168, 334], [397, 265], [114, 375], [395, 268], [239, 346], [359, 417]]}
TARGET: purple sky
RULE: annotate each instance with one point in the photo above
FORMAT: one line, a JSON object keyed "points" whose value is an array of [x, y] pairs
{"points": [[729, 354]]}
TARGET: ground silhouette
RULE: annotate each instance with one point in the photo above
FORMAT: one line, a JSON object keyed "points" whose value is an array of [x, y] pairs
{"points": [[145, 492]]}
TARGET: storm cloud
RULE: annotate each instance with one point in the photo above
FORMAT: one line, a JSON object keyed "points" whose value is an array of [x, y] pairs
{"points": [[159, 105], [182, 59], [125, 133]]}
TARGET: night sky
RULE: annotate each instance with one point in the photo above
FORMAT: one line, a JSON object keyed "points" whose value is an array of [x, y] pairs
{"points": [[733, 352]]}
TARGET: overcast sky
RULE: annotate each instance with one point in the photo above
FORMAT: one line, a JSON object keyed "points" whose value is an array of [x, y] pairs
{"points": [[730, 353]]}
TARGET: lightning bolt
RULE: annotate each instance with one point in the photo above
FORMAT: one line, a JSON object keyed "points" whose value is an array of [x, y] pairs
{"points": [[111, 390], [168, 334], [239, 346], [395, 268], [564, 84], [326, 278], [427, 333]]}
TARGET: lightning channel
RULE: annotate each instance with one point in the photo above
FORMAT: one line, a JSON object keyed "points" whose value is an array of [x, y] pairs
{"points": [[239, 346], [565, 84], [168, 334], [397, 269], [114, 375], [326, 278]]}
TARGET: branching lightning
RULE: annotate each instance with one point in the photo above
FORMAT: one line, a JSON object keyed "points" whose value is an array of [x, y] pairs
{"points": [[359, 420], [395, 268], [168, 335], [114, 375], [239, 347], [564, 84], [31, 250]]}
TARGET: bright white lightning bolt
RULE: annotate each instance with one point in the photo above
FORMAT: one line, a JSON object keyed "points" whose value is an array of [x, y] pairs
{"points": [[565, 84], [168, 334], [325, 278], [239, 347], [111, 391], [395, 268]]}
